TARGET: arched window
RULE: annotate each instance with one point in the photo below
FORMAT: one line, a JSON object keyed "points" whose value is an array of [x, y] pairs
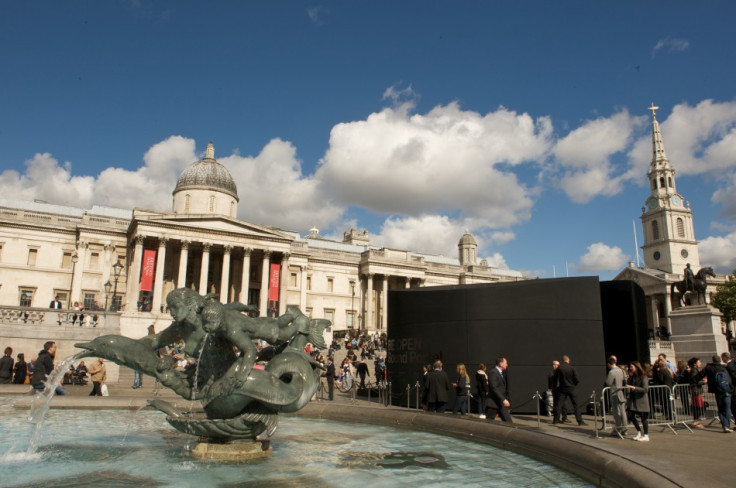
{"points": [[680, 224], [187, 199], [669, 181], [212, 204], [661, 182], [655, 230]]}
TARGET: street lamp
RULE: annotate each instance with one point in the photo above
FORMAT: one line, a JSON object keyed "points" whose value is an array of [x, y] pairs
{"points": [[117, 268], [108, 287], [75, 258], [352, 305]]}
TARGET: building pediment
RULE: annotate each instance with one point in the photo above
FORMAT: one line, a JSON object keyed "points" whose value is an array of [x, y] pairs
{"points": [[210, 223], [643, 277]]}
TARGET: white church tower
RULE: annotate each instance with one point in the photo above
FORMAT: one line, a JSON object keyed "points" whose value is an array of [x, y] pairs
{"points": [[669, 239]]}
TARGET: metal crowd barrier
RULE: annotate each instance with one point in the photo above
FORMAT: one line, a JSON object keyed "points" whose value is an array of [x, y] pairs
{"points": [[694, 403], [662, 407]]}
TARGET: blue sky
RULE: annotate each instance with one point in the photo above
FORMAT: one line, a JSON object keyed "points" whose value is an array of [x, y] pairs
{"points": [[524, 122]]}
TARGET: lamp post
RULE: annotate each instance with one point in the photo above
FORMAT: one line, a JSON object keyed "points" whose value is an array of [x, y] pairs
{"points": [[117, 268], [352, 305], [75, 258], [108, 287]]}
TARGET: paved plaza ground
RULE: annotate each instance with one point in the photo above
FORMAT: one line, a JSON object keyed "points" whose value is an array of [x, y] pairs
{"points": [[702, 458]]}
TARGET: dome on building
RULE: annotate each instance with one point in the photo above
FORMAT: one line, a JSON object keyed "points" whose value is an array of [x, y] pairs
{"points": [[467, 239], [207, 174]]}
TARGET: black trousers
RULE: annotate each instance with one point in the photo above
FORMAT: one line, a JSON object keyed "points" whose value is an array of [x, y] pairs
{"points": [[96, 389], [561, 397]]}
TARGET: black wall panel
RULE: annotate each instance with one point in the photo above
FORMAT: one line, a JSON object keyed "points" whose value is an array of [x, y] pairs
{"points": [[530, 322], [625, 329]]}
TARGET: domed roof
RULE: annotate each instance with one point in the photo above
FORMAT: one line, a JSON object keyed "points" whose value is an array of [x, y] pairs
{"points": [[207, 173], [467, 239]]}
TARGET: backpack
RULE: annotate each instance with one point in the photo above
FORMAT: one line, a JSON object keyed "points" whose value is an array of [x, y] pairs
{"points": [[723, 383]]}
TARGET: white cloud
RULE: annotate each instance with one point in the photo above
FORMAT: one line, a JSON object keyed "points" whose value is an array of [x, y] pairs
{"points": [[273, 190], [601, 257], [431, 234], [585, 156], [719, 252], [726, 196], [670, 44], [496, 260], [316, 14], [449, 162], [697, 139]]}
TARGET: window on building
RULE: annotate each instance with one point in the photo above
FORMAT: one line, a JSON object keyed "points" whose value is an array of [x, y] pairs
{"points": [[32, 254], [661, 182], [330, 315], [63, 296], [94, 260], [309, 282], [655, 230], [116, 303], [351, 319], [308, 312], [90, 301], [330, 285], [680, 224], [292, 280], [26, 297], [66, 260]]}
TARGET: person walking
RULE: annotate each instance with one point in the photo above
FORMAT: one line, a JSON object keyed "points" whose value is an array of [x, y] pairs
{"points": [[616, 381], [481, 389], [719, 383], [566, 379], [498, 392], [98, 373], [462, 390], [438, 388], [330, 376], [638, 403]]}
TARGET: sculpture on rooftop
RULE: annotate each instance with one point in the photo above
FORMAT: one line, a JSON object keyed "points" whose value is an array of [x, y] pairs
{"points": [[240, 400], [695, 285]]}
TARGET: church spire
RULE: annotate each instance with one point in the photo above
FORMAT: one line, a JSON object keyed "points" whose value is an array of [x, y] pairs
{"points": [[661, 174]]}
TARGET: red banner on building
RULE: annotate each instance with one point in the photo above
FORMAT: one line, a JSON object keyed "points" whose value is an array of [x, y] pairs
{"points": [[273, 283], [147, 268]]}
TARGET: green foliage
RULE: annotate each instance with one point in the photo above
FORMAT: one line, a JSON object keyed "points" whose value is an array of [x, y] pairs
{"points": [[725, 299]]}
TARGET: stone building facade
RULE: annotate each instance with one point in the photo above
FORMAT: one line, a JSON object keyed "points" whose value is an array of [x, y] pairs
{"points": [[48, 250]]}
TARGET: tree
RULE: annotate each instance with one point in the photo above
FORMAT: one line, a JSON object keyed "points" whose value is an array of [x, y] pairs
{"points": [[725, 298]]}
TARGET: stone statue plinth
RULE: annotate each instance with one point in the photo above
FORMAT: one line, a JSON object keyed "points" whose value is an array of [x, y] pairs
{"points": [[232, 452], [696, 332]]}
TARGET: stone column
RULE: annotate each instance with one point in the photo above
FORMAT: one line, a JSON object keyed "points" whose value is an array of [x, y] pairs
{"points": [[384, 303], [654, 313], [668, 310], [158, 283], [407, 282], [225, 280], [76, 290], [107, 263], [204, 268], [263, 302], [183, 259], [303, 290], [284, 283], [369, 305], [245, 277], [134, 276]]}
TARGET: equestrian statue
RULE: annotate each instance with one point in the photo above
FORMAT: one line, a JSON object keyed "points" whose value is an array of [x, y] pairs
{"points": [[693, 283]]}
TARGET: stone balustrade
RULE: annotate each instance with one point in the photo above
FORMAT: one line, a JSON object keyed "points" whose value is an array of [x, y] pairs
{"points": [[50, 317]]}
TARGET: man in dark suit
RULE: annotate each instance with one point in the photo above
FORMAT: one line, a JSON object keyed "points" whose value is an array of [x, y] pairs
{"points": [[330, 375], [438, 388], [566, 380], [498, 395], [55, 303]]}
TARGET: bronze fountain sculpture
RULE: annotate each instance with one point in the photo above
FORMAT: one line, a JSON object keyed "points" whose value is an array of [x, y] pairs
{"points": [[239, 399]]}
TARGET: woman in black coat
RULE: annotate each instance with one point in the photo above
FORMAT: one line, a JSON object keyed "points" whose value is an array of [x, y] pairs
{"points": [[481, 389], [21, 370]]}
